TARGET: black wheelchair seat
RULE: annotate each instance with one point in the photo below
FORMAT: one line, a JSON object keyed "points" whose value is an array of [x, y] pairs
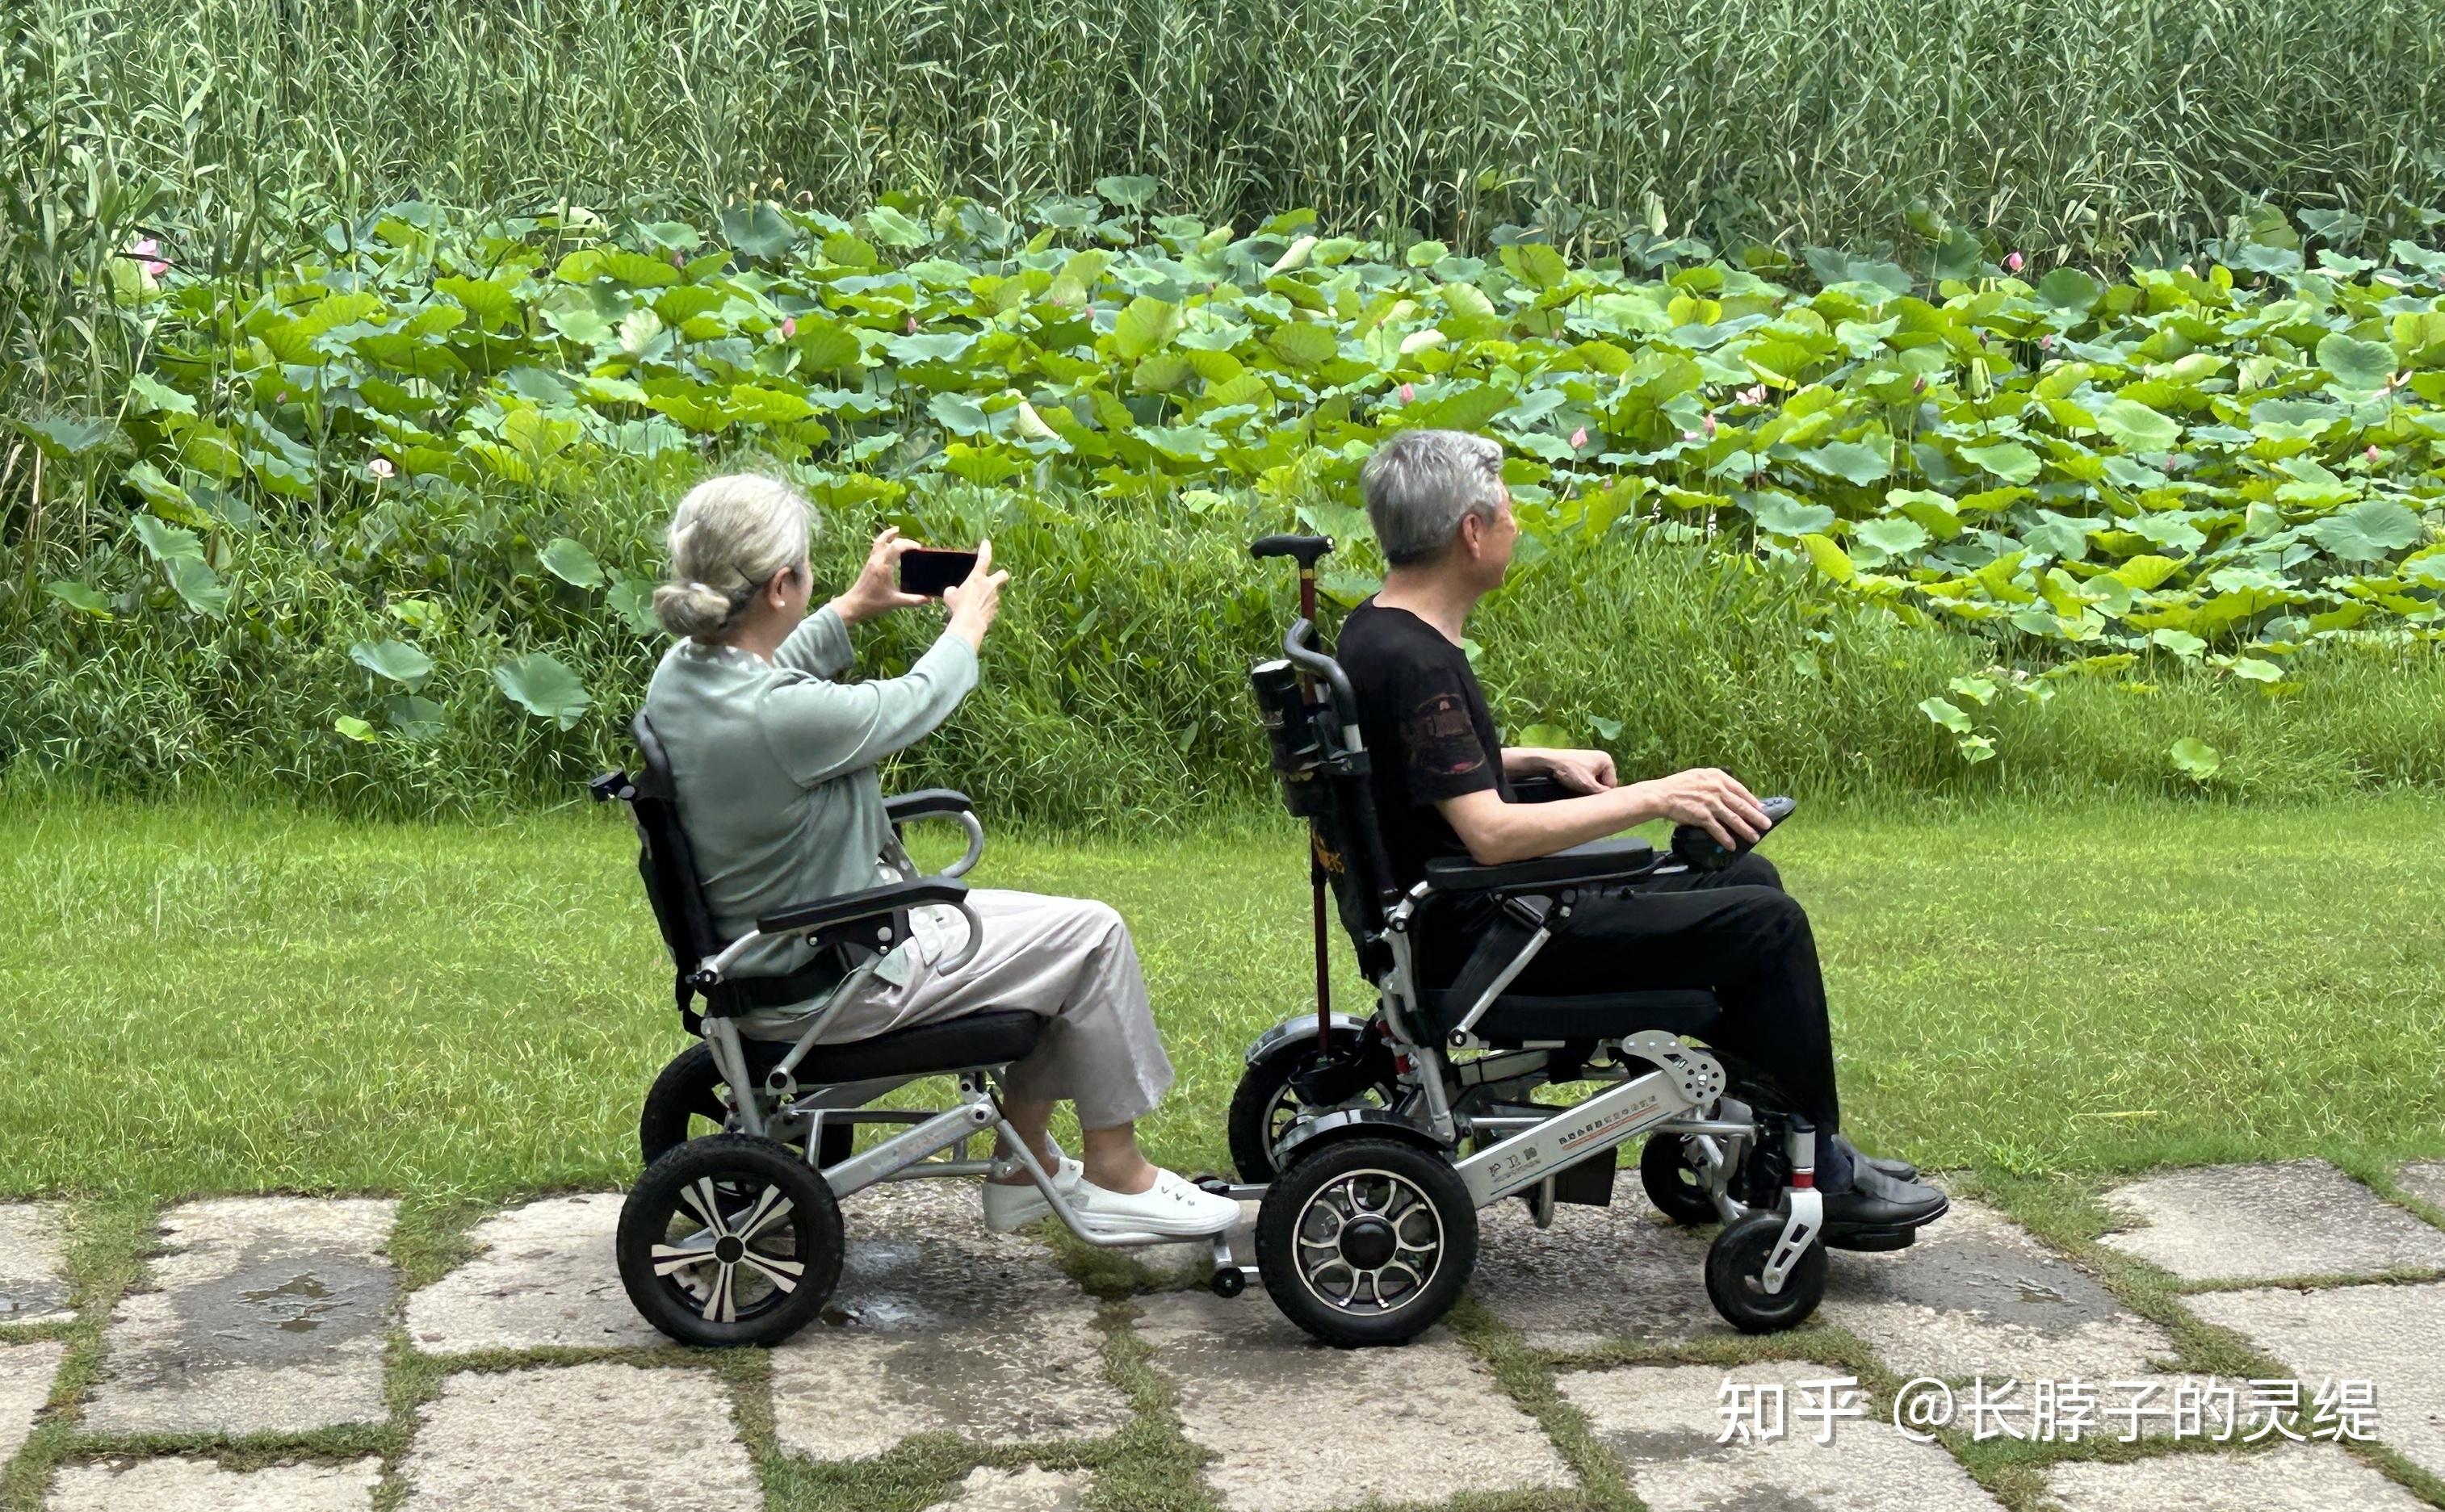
{"points": [[993, 1037], [1591, 1016]]}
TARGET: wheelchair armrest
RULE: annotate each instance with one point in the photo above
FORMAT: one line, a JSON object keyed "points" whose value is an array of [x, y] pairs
{"points": [[865, 903], [1597, 861], [925, 803], [1537, 790]]}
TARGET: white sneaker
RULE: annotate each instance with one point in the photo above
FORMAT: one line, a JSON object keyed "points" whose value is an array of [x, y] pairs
{"points": [[1010, 1208], [1170, 1207]]}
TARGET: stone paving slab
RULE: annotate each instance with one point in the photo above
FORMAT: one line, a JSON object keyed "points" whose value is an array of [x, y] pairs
{"points": [[266, 1315], [2423, 1179], [187, 1484], [1294, 1426], [938, 1326], [2388, 1335], [2295, 1478], [1031, 1490], [1663, 1422], [579, 1438], [25, 1372], [547, 1277], [34, 1260], [1599, 1274], [1978, 1293], [2263, 1222]]}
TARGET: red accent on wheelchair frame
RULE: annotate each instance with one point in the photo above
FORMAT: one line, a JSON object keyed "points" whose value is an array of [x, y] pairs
{"points": [[1804, 1178]]}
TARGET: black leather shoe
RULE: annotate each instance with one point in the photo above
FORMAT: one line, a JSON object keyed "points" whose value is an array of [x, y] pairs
{"points": [[1879, 1212], [1900, 1170]]}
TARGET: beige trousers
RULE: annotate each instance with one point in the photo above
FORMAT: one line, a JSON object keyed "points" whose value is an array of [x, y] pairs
{"points": [[1068, 959]]}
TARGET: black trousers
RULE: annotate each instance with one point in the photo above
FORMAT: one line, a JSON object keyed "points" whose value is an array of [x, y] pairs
{"points": [[1735, 932]]}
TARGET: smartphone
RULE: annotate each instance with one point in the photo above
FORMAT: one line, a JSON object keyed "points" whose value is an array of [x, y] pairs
{"points": [[927, 572]]}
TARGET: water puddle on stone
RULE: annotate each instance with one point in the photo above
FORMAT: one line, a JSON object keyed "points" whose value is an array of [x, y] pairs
{"points": [[297, 1305]]}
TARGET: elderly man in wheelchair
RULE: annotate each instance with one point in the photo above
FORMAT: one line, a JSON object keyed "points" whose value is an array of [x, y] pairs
{"points": [[1515, 946]]}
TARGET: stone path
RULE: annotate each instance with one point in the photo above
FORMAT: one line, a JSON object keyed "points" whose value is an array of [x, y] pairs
{"points": [[267, 1315], [273, 1315]]}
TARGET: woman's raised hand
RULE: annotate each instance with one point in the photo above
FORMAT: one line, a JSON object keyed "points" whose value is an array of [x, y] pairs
{"points": [[877, 588], [975, 601]]}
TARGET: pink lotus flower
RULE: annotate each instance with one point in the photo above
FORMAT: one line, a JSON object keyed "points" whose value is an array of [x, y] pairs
{"points": [[1710, 424], [2013, 262], [156, 268], [1918, 385], [146, 248], [2047, 343], [912, 325], [788, 328], [677, 261], [1578, 437], [1689, 435], [281, 397], [2371, 452], [379, 467], [1408, 392], [1754, 395]]}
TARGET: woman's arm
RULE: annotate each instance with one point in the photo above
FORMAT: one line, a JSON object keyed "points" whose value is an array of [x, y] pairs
{"points": [[818, 729]]}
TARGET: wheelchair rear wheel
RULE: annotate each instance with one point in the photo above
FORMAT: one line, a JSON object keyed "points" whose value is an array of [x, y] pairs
{"points": [[1267, 1100], [1736, 1271], [689, 1101], [730, 1239], [1366, 1240], [1674, 1184]]}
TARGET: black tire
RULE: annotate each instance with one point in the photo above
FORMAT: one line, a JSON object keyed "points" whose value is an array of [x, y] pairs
{"points": [[686, 1102], [1356, 1179], [767, 1268], [1674, 1185], [1736, 1264], [1263, 1106]]}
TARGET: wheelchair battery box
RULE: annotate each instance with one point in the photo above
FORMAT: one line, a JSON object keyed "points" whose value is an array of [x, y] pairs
{"points": [[1589, 1184]]}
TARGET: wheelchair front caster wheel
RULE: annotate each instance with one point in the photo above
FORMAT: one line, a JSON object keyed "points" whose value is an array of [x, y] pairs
{"points": [[1736, 1277], [1366, 1240], [1228, 1282], [1676, 1187], [730, 1239]]}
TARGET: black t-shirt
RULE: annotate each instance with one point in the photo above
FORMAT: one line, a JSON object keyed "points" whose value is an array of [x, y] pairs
{"points": [[1427, 730]]}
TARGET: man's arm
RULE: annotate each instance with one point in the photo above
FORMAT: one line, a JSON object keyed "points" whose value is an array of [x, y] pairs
{"points": [[1496, 832]]}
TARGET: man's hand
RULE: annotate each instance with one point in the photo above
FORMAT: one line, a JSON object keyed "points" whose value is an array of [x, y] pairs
{"points": [[1581, 770], [1578, 772], [1712, 800], [877, 588]]}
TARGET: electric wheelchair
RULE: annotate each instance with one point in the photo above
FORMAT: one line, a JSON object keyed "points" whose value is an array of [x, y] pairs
{"points": [[1370, 1143], [733, 1235]]}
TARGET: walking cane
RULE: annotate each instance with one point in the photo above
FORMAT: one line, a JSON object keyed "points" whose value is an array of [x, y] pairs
{"points": [[1306, 549]]}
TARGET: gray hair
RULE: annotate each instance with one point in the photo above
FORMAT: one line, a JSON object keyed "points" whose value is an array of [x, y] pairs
{"points": [[728, 536], [1419, 485]]}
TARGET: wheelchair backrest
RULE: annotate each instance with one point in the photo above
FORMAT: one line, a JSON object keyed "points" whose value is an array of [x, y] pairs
{"points": [[1321, 761], [663, 858]]}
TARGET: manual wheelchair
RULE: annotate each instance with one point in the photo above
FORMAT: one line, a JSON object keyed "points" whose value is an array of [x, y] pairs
{"points": [[733, 1235], [1371, 1143]]}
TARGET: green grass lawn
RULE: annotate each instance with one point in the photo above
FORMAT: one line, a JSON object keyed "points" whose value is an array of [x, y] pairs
{"points": [[216, 999]]}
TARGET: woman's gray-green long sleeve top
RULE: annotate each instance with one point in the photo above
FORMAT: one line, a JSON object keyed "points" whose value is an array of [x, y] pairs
{"points": [[773, 763]]}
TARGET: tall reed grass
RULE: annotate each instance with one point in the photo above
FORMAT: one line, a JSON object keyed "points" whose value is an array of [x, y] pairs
{"points": [[2096, 126]]}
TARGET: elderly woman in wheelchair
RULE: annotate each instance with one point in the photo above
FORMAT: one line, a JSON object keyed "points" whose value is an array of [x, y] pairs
{"points": [[831, 972]]}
